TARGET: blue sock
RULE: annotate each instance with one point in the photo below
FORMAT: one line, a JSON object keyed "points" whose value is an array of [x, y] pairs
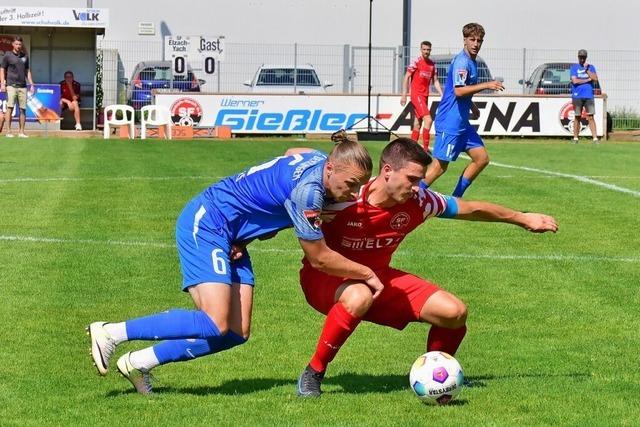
{"points": [[172, 325], [463, 184], [179, 350]]}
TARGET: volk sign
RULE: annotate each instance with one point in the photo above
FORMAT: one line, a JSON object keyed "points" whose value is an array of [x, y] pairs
{"points": [[499, 115]]}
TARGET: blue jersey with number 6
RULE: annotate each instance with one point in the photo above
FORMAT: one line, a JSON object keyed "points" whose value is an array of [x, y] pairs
{"points": [[284, 192]]}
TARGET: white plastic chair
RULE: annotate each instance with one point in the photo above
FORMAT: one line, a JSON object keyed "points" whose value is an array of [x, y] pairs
{"points": [[111, 119], [155, 115]]}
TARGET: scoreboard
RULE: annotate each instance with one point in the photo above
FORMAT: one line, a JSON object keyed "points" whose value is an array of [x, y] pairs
{"points": [[201, 53]]}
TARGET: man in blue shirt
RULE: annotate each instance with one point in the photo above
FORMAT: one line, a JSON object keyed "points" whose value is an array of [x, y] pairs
{"points": [[583, 76], [288, 191], [454, 133]]}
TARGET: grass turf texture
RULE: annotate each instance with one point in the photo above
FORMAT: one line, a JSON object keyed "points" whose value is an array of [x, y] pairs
{"points": [[551, 341]]}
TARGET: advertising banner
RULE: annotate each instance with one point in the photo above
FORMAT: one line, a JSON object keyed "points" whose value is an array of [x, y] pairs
{"points": [[54, 17], [42, 106], [286, 114]]}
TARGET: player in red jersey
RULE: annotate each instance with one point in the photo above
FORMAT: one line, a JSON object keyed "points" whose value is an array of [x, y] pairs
{"points": [[421, 72], [368, 231]]}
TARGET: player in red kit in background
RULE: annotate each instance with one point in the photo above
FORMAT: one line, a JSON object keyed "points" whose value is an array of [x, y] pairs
{"points": [[369, 231], [421, 72]]}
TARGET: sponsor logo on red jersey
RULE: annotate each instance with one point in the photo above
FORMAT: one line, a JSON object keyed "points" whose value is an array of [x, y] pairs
{"points": [[400, 220]]}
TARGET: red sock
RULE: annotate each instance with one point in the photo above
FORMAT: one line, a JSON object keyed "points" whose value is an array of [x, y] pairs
{"points": [[339, 325], [425, 139], [415, 135], [443, 339]]}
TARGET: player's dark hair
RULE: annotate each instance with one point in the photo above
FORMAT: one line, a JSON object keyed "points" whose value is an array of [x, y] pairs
{"points": [[68, 72], [472, 29], [400, 151], [17, 39], [425, 43], [346, 151]]}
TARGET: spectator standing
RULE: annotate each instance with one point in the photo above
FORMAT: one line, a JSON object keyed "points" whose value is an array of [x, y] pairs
{"points": [[583, 76], [14, 75]]}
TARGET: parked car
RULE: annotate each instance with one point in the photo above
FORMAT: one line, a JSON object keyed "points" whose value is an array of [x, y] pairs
{"points": [[151, 75], [442, 67], [286, 79], [553, 78]]}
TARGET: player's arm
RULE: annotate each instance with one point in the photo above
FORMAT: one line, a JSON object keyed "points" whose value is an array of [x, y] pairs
{"points": [[405, 87], [436, 83], [490, 212], [462, 91], [324, 259], [2, 79]]}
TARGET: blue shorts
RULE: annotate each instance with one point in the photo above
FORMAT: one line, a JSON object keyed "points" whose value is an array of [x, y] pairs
{"points": [[448, 146], [203, 248]]}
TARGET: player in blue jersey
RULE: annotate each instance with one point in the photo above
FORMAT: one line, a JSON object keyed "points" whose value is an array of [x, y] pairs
{"points": [[583, 77], [454, 133], [255, 204]]}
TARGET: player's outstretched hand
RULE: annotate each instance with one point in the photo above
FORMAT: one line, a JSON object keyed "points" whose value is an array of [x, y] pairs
{"points": [[540, 223], [375, 284], [495, 85]]}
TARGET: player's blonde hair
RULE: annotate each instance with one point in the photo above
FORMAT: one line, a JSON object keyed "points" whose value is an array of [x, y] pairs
{"points": [[349, 152], [472, 29]]}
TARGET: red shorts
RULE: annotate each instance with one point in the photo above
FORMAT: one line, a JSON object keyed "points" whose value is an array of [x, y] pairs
{"points": [[420, 105], [399, 303]]}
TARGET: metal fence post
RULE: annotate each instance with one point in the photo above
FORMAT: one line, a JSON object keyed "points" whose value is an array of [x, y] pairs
{"points": [[295, 68], [524, 70], [346, 68]]}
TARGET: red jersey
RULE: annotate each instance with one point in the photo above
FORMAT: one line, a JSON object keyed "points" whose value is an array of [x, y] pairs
{"points": [[421, 74], [65, 92], [370, 235]]}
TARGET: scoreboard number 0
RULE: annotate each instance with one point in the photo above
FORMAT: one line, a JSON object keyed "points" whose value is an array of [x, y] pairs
{"points": [[209, 65]]}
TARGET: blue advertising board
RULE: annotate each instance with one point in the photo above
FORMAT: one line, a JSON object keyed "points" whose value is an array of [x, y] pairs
{"points": [[43, 105]]}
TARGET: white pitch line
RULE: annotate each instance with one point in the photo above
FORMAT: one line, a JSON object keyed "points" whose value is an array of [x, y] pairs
{"points": [[564, 177], [567, 175], [106, 178], [580, 178], [138, 243]]}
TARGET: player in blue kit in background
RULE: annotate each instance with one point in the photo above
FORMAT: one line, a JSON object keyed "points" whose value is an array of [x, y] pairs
{"points": [[454, 133], [257, 203]]}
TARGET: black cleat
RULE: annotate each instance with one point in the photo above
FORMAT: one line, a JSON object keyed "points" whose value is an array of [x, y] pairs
{"points": [[309, 383]]}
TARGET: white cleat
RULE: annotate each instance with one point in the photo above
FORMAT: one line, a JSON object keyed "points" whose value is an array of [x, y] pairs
{"points": [[139, 378], [102, 346]]}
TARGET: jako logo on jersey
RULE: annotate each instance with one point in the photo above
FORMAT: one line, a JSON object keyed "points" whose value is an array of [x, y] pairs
{"points": [[186, 112], [313, 217], [400, 220], [567, 117], [293, 120], [356, 224]]}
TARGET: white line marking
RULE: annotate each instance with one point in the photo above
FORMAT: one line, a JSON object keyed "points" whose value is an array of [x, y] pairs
{"points": [[567, 175], [107, 178], [553, 176], [551, 257]]}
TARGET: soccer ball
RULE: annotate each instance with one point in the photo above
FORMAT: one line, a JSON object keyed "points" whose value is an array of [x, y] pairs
{"points": [[436, 377]]}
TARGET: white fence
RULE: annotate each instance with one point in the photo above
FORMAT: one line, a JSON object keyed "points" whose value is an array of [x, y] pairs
{"points": [[346, 67]]}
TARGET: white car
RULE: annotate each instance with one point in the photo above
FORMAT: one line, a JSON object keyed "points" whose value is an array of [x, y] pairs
{"points": [[301, 79]]}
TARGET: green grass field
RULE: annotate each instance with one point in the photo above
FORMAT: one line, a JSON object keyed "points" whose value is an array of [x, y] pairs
{"points": [[86, 233]]}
